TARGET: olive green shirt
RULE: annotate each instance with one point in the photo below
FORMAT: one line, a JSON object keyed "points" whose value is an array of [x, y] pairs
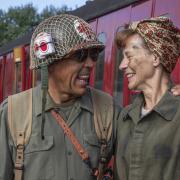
{"points": [[148, 147], [55, 157]]}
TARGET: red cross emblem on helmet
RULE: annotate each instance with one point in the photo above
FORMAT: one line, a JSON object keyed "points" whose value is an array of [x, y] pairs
{"points": [[43, 45], [82, 30]]}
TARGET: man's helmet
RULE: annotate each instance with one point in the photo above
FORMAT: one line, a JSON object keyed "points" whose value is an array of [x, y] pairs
{"points": [[58, 36]]}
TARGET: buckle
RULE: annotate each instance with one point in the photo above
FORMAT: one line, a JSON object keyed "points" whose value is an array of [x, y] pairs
{"points": [[103, 141], [18, 166], [20, 146]]}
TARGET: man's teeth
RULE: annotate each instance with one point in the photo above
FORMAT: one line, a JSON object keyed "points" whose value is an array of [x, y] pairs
{"points": [[81, 80], [84, 77]]}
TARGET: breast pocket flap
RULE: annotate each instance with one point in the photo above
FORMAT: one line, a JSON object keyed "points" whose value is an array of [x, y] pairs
{"points": [[91, 140], [36, 144]]}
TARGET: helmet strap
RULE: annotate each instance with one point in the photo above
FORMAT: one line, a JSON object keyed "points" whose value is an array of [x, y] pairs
{"points": [[44, 90]]}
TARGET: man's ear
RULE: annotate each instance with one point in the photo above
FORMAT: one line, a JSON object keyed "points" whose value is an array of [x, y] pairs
{"points": [[156, 61]]}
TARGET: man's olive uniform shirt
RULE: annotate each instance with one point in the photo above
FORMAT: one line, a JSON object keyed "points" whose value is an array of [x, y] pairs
{"points": [[148, 148], [54, 158]]}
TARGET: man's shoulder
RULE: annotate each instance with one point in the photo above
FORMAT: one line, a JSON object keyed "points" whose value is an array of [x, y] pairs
{"points": [[99, 92], [104, 97], [4, 104], [101, 97], [105, 100]]}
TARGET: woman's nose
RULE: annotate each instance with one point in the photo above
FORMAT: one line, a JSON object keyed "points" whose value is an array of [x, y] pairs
{"points": [[124, 63]]}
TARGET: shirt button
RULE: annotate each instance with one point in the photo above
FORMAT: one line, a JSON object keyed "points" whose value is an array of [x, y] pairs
{"points": [[69, 154]]}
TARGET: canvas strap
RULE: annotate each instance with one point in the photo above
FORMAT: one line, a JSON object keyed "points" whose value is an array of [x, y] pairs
{"points": [[20, 123], [103, 117], [68, 132], [84, 155], [19, 164]]}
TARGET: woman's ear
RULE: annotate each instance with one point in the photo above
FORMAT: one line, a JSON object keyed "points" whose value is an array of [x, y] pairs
{"points": [[156, 61]]}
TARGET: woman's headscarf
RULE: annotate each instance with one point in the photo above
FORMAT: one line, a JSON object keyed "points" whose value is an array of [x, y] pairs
{"points": [[162, 38]]}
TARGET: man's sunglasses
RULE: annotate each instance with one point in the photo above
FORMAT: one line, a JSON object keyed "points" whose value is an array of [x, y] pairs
{"points": [[82, 54]]}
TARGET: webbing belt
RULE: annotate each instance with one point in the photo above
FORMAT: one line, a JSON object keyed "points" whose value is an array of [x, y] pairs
{"points": [[19, 164], [83, 154]]}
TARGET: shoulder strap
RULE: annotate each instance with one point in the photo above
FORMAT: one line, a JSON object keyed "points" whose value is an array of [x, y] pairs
{"points": [[73, 139], [20, 124], [20, 115], [103, 119], [103, 114]]}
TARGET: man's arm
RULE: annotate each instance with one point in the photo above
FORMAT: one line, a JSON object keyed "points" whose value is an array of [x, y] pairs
{"points": [[6, 164]]}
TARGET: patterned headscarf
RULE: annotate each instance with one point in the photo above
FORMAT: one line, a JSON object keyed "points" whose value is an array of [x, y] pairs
{"points": [[162, 38]]}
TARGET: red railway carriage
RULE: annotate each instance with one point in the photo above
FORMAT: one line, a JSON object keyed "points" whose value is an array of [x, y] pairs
{"points": [[106, 18]]}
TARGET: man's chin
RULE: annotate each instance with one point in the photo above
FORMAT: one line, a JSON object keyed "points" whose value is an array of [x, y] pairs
{"points": [[81, 92]]}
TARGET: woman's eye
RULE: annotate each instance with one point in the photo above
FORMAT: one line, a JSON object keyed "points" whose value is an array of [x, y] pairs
{"points": [[130, 57], [135, 47]]}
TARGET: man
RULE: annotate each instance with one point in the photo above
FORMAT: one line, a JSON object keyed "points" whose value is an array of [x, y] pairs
{"points": [[148, 134], [65, 48]]}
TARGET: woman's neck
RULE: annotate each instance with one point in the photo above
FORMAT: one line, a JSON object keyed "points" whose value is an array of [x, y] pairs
{"points": [[155, 90]]}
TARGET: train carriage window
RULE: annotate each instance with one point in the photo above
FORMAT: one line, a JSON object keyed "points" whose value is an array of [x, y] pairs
{"points": [[118, 74], [2, 59], [9, 75], [99, 72], [27, 76], [18, 78]]}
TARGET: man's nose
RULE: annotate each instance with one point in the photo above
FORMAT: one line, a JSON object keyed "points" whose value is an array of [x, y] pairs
{"points": [[89, 62]]}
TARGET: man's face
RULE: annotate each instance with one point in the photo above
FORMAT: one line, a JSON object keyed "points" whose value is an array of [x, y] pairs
{"points": [[71, 74], [137, 62]]}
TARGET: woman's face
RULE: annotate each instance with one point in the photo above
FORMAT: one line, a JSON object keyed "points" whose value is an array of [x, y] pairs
{"points": [[137, 62]]}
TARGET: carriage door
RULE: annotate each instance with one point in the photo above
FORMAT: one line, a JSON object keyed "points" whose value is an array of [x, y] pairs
{"points": [[18, 76], [1, 77]]}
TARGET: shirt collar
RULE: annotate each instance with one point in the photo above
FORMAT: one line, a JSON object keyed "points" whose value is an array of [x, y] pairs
{"points": [[166, 107], [86, 102], [134, 109], [83, 102]]}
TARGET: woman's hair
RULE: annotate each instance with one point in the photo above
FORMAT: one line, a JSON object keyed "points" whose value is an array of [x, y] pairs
{"points": [[122, 36]]}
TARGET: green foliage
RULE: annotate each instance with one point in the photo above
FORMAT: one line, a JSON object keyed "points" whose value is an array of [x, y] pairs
{"points": [[3, 27], [51, 11], [18, 20]]}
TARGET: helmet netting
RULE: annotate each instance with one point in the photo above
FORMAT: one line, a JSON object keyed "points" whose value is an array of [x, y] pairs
{"points": [[69, 33]]}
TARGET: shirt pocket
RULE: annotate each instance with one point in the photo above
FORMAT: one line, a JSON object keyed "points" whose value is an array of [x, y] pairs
{"points": [[38, 160], [92, 146]]}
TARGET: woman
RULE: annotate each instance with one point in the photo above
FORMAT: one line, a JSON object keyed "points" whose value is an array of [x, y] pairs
{"points": [[148, 136]]}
